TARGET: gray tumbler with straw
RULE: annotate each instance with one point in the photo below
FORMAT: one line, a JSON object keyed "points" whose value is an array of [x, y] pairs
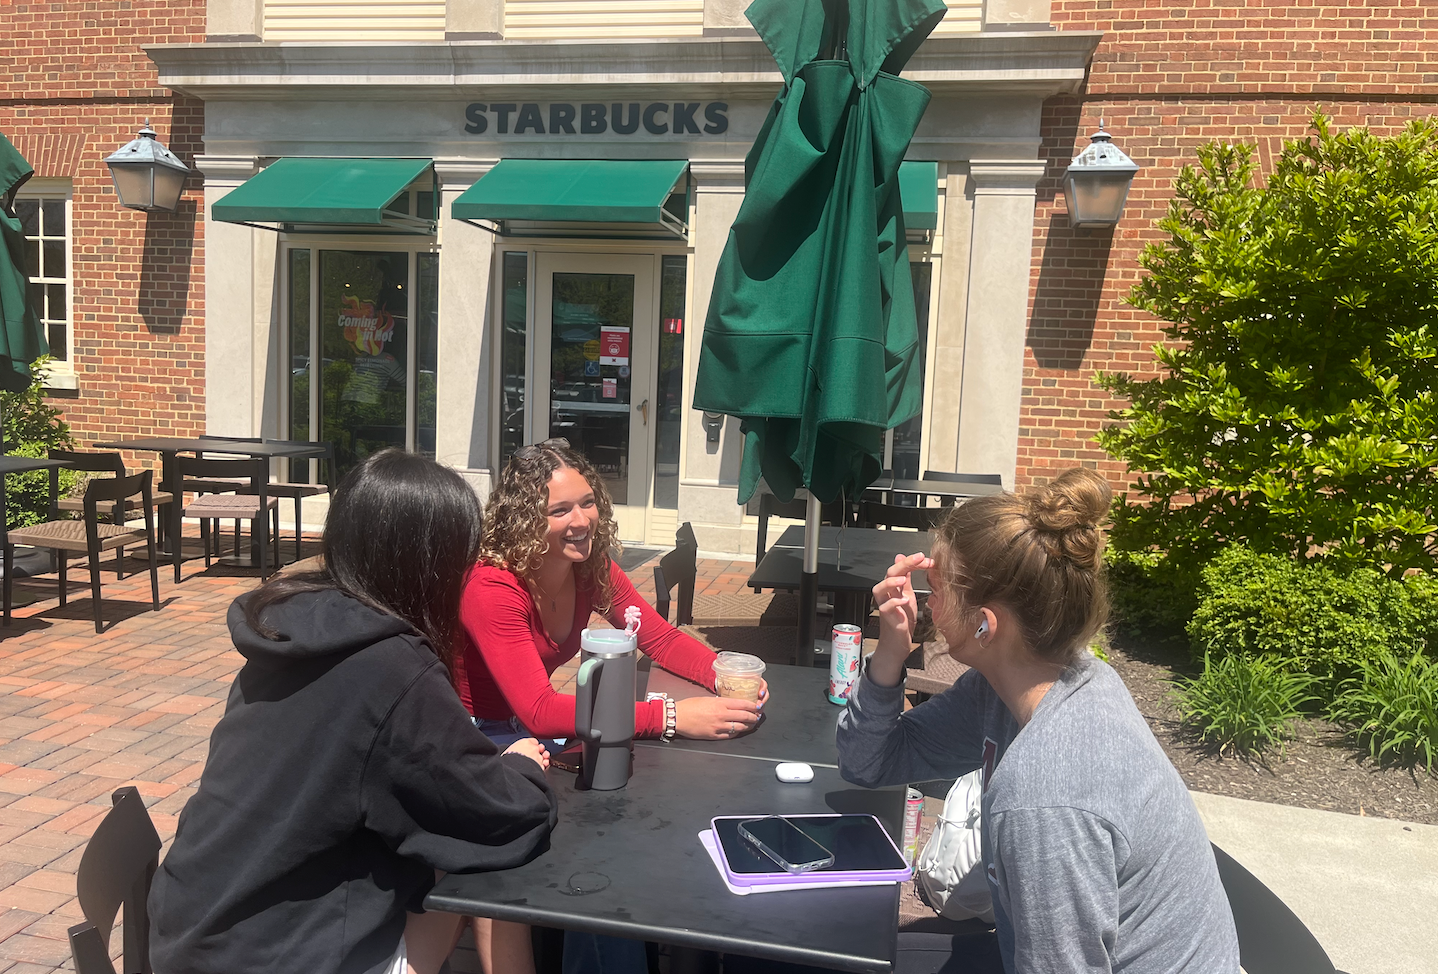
{"points": [[604, 706]]}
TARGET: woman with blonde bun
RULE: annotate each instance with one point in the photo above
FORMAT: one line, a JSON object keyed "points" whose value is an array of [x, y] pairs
{"points": [[1095, 855]]}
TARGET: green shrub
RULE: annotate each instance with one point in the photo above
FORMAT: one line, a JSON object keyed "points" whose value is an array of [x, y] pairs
{"points": [[1294, 410], [1150, 594], [1243, 704], [32, 428], [1392, 708], [1309, 617]]}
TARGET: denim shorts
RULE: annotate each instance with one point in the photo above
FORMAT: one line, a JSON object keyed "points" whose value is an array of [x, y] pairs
{"points": [[505, 732]]}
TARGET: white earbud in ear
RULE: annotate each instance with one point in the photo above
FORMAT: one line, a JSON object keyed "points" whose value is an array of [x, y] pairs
{"points": [[983, 630]]}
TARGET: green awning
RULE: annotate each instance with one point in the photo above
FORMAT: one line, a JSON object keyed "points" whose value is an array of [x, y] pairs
{"points": [[349, 193], [568, 191], [919, 187]]}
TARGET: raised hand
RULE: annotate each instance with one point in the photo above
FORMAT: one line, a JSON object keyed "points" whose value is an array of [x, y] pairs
{"points": [[532, 749], [898, 617]]}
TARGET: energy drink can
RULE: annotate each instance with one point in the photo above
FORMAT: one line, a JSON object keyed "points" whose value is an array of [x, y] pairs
{"points": [[913, 813], [845, 652]]}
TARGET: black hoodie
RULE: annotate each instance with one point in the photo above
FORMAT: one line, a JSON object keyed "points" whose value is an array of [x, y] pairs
{"points": [[344, 773]]}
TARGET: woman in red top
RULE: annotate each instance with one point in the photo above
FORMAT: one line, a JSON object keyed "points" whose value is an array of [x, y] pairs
{"points": [[544, 568]]}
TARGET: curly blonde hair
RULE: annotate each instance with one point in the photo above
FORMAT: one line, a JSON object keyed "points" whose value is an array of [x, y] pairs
{"points": [[1038, 554], [516, 519]]}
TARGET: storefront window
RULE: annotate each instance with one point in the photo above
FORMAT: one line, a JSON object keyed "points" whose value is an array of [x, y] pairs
{"points": [[363, 337], [669, 387], [513, 354], [909, 436], [426, 349], [299, 372]]}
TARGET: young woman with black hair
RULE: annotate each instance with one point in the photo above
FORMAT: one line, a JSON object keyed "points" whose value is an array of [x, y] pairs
{"points": [[345, 775], [1095, 855]]}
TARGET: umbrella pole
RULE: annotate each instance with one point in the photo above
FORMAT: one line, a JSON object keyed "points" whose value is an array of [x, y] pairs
{"points": [[808, 584]]}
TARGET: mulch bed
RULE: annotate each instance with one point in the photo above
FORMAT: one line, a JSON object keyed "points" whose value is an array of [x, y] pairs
{"points": [[1320, 768]]}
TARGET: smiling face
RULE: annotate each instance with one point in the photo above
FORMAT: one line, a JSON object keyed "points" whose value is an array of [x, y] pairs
{"points": [[572, 514]]}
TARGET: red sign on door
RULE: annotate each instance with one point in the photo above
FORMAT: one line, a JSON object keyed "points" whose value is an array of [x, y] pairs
{"points": [[611, 388], [613, 345]]}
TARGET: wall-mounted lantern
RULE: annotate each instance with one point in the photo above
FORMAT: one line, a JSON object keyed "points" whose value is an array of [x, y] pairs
{"points": [[1097, 181], [147, 175]]}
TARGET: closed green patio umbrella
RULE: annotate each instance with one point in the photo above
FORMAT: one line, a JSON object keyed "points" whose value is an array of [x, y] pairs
{"points": [[23, 338], [811, 338]]}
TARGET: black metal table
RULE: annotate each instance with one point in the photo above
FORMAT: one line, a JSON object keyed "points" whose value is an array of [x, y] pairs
{"points": [[628, 863], [851, 560], [168, 447], [798, 723], [942, 489]]}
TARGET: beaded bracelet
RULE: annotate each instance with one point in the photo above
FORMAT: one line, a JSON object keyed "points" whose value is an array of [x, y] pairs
{"points": [[671, 715]]}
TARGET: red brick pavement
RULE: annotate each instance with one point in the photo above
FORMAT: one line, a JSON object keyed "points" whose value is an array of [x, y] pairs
{"points": [[83, 714]]}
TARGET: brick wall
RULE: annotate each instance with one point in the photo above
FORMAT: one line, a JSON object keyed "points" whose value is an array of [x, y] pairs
{"points": [[1170, 76], [76, 87]]}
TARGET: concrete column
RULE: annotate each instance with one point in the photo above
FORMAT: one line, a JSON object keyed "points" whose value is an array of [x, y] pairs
{"points": [[463, 390], [946, 370], [230, 308], [1000, 265], [710, 473], [234, 20], [472, 20], [723, 17]]}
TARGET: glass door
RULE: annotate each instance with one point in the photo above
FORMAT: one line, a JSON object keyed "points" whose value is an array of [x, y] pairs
{"points": [[594, 370]]}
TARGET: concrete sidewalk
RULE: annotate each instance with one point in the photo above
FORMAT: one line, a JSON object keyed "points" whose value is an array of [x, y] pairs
{"points": [[1366, 887]]}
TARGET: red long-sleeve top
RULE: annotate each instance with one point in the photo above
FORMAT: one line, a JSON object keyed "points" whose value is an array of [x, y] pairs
{"points": [[504, 668]]}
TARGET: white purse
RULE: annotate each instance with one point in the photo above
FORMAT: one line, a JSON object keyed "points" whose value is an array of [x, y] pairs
{"points": [[950, 867]]}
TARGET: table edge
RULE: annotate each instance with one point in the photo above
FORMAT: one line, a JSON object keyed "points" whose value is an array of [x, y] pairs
{"points": [[535, 916]]}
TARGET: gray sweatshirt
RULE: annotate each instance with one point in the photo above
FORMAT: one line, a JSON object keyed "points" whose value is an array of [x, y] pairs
{"points": [[1096, 857]]}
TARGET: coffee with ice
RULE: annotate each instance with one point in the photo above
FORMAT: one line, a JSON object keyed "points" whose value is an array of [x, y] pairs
{"points": [[738, 675]]}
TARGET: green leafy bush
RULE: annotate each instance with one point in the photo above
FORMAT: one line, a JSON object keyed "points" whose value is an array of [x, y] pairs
{"points": [[1295, 410], [1310, 617], [1150, 594], [32, 428], [1392, 707], [1243, 704]]}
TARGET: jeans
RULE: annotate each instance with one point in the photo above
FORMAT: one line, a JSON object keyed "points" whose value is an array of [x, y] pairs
{"points": [[505, 732], [592, 953]]}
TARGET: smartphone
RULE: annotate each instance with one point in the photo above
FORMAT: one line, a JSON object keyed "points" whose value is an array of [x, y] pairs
{"points": [[785, 844]]}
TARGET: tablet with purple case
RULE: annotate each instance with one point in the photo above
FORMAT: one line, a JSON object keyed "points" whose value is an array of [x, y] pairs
{"points": [[863, 852]]}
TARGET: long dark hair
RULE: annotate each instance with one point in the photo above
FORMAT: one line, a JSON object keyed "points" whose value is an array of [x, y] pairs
{"points": [[401, 534]]}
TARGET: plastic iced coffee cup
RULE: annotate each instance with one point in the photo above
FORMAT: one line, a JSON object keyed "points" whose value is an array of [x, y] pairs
{"points": [[738, 675]]}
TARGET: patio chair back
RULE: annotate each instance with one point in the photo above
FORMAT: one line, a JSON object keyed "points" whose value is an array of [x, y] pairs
{"points": [[1271, 939], [873, 514], [835, 513], [964, 478], [116, 869], [118, 489], [679, 567]]}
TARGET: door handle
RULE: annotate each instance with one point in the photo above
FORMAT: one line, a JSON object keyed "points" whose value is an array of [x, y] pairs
{"points": [[644, 411]]}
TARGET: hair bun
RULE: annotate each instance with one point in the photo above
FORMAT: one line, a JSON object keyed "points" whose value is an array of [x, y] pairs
{"points": [[1068, 511]]}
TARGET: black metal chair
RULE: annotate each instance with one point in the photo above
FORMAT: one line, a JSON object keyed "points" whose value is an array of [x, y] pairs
{"points": [[254, 505], [116, 869], [90, 536], [298, 490], [873, 514], [679, 567], [1271, 939], [103, 462], [964, 478], [833, 513]]}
